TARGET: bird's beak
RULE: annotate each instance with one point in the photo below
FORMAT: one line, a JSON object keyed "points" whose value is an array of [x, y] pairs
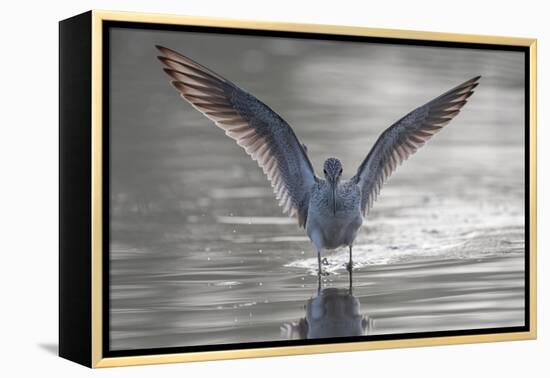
{"points": [[334, 199]]}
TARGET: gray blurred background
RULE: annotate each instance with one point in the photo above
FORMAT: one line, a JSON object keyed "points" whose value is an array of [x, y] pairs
{"points": [[201, 254]]}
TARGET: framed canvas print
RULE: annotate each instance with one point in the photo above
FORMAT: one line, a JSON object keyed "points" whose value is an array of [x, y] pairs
{"points": [[234, 189]]}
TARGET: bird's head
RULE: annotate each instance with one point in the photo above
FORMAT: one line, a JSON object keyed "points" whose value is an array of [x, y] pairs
{"points": [[332, 170]]}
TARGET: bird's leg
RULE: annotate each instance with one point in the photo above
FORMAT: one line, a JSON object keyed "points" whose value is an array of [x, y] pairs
{"points": [[349, 267], [350, 282], [320, 270], [319, 262]]}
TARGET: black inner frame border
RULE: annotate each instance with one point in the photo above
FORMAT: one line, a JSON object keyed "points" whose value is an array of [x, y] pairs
{"points": [[107, 25]]}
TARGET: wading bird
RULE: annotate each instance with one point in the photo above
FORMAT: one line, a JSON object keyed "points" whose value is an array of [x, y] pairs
{"points": [[330, 209]]}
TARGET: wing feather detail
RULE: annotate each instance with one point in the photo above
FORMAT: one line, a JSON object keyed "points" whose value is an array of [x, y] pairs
{"points": [[261, 132], [398, 142]]}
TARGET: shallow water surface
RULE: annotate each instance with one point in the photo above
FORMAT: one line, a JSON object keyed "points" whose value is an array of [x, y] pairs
{"points": [[201, 254]]}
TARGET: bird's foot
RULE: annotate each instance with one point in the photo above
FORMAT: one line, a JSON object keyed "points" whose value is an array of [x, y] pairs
{"points": [[324, 261], [323, 273]]}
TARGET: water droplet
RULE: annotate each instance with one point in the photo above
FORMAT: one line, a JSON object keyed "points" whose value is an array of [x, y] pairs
{"points": [[208, 258], [259, 250], [260, 283]]}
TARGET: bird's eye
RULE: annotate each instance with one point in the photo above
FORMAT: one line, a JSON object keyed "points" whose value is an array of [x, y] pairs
{"points": [[341, 169], [325, 171]]}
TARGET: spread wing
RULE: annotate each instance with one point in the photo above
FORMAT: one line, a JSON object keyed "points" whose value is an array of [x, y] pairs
{"points": [[265, 136], [405, 137]]}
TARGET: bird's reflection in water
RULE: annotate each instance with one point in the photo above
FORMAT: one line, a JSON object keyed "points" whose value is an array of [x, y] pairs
{"points": [[333, 312]]}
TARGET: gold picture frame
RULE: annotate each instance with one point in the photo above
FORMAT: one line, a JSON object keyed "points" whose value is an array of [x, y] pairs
{"points": [[89, 266]]}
